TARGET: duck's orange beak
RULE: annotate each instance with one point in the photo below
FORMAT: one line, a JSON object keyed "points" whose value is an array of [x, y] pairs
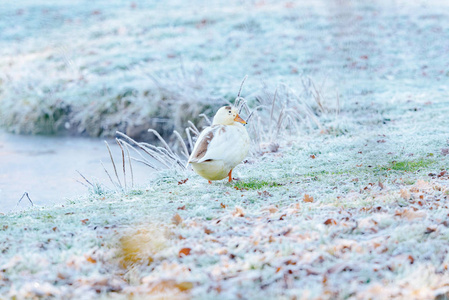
{"points": [[238, 119]]}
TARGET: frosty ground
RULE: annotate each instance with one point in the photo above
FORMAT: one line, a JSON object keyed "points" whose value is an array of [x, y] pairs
{"points": [[361, 215], [353, 206]]}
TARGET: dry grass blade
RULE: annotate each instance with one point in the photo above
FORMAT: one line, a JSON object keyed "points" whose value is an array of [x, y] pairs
{"points": [[123, 161], [163, 155], [272, 108], [113, 164], [241, 104], [206, 118], [161, 140], [183, 144], [28, 197], [189, 138], [82, 183], [90, 183], [110, 178], [249, 117], [279, 122], [143, 149], [241, 86], [129, 162], [146, 150], [194, 129], [317, 97]]}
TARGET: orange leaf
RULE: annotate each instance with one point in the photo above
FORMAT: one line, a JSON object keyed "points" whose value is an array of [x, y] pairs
{"points": [[84, 221], [222, 205], [184, 252], [91, 260], [330, 222], [312, 156], [307, 198]]}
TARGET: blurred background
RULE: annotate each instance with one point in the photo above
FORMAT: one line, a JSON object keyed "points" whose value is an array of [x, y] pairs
{"points": [[72, 73]]}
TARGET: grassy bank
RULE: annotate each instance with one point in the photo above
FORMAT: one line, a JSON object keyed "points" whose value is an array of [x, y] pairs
{"points": [[362, 215], [92, 67]]}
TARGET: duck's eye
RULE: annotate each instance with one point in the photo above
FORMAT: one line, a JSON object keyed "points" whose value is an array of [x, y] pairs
{"points": [[230, 112]]}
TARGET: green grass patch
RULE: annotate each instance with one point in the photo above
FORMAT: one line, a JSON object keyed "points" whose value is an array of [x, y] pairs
{"points": [[255, 184], [409, 166]]}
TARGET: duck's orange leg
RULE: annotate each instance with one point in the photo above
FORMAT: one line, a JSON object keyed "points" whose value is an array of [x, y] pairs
{"points": [[230, 176], [210, 182]]}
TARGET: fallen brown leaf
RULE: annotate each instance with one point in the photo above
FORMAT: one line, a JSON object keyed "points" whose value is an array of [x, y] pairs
{"points": [[184, 252], [176, 219], [91, 260], [307, 198], [330, 222], [430, 229]]}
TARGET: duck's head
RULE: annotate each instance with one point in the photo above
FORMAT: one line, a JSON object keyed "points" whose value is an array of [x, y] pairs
{"points": [[227, 115]]}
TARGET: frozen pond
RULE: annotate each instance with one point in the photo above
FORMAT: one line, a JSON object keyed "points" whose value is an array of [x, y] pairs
{"points": [[45, 167]]}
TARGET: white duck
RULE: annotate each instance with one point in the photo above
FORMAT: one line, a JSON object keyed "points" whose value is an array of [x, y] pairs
{"points": [[220, 147]]}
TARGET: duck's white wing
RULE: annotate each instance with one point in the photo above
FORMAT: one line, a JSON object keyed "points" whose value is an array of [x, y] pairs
{"points": [[221, 142], [202, 144]]}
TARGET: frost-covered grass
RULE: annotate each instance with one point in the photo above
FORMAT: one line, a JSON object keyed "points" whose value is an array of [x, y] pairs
{"points": [[92, 67], [360, 215], [354, 205]]}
